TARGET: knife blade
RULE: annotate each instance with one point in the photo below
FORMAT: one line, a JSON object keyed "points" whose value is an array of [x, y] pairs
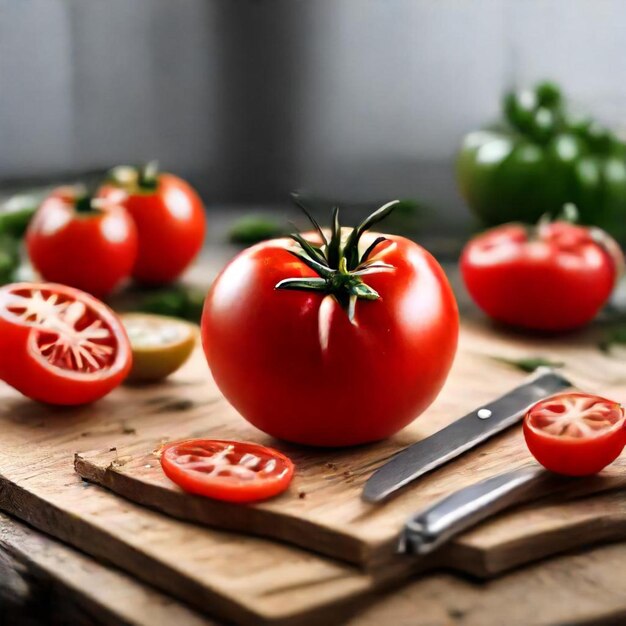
{"points": [[462, 435]]}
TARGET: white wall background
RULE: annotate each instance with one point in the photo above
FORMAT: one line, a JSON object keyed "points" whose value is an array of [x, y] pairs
{"points": [[251, 98]]}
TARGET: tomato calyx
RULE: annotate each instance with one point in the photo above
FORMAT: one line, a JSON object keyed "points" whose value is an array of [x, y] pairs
{"points": [[337, 262], [143, 178]]}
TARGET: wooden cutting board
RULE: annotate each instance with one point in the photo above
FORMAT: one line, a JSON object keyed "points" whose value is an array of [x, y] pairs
{"points": [[253, 580], [323, 510]]}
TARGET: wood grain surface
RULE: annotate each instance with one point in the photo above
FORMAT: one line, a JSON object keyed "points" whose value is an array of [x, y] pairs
{"points": [[47, 583], [252, 580]]}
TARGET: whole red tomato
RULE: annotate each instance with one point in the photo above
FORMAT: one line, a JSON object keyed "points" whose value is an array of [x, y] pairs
{"points": [[552, 277], [79, 241], [331, 342], [575, 434], [170, 219], [60, 345]]}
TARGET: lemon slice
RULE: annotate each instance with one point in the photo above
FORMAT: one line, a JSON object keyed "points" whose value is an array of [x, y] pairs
{"points": [[160, 345]]}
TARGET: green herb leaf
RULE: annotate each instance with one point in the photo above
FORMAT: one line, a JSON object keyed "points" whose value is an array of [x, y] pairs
{"points": [[180, 301], [251, 229], [529, 364], [615, 336]]}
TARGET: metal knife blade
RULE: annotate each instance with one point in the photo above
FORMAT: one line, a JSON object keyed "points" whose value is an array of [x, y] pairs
{"points": [[427, 530], [462, 435]]}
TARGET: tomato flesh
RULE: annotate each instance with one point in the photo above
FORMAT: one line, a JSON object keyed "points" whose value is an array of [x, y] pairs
{"points": [[60, 345], [555, 278], [227, 470], [575, 434]]}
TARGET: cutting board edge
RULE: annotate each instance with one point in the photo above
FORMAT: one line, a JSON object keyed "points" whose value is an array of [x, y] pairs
{"points": [[41, 514], [281, 528]]}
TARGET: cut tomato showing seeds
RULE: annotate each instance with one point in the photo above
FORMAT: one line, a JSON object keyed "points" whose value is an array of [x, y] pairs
{"points": [[227, 470], [574, 433], [60, 345]]}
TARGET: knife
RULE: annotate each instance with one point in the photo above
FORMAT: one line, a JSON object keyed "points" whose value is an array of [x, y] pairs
{"points": [[462, 435], [427, 530]]}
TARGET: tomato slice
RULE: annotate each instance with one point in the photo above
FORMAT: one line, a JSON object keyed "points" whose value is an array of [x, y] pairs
{"points": [[160, 345], [575, 434], [227, 470], [60, 345]]}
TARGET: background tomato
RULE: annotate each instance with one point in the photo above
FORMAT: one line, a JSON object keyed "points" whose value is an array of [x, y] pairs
{"points": [[575, 434], [60, 345], [556, 276], [170, 220], [233, 471], [293, 362], [85, 243]]}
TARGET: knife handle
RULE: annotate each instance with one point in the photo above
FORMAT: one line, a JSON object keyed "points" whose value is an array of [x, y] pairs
{"points": [[429, 529]]}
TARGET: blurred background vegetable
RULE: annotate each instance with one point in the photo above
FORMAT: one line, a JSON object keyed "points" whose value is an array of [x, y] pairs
{"points": [[541, 156]]}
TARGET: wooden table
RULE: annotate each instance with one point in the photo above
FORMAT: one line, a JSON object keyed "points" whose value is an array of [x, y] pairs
{"points": [[45, 582]]}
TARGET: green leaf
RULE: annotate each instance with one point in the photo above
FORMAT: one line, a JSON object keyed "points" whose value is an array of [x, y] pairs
{"points": [[611, 338], [361, 290], [251, 229], [312, 251], [323, 270], [180, 301], [9, 258], [334, 245], [352, 245], [306, 284], [371, 248], [298, 201], [529, 364]]}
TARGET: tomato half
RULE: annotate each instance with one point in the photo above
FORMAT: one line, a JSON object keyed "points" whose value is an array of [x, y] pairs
{"points": [[60, 345], [331, 343], [88, 244], [575, 434], [170, 220], [553, 277], [227, 470], [160, 345]]}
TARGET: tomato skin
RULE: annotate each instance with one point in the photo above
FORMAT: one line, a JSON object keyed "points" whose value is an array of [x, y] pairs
{"points": [[574, 456], [92, 251], [171, 226], [557, 282], [222, 488], [264, 349], [22, 370]]}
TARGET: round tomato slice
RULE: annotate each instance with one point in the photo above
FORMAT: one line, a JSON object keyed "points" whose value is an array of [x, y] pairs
{"points": [[160, 345], [575, 434], [227, 470], [60, 345]]}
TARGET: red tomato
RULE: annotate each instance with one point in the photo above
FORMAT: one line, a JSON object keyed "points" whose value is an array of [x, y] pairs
{"points": [[170, 221], [60, 345], [227, 470], [88, 244], [340, 351], [555, 277], [575, 434]]}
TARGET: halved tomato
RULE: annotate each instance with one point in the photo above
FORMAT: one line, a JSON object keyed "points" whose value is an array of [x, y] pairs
{"points": [[575, 434], [160, 345], [227, 470], [60, 345]]}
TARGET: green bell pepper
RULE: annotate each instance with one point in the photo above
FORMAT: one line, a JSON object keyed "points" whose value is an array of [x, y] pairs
{"points": [[541, 157]]}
